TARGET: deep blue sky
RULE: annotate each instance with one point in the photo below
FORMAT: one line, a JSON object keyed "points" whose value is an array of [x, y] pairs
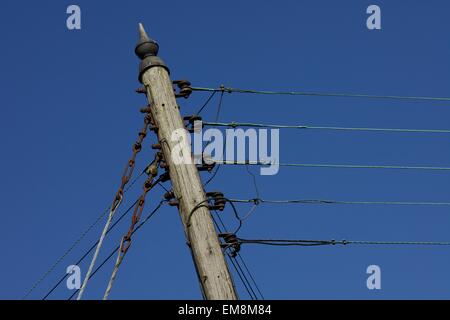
{"points": [[70, 116]]}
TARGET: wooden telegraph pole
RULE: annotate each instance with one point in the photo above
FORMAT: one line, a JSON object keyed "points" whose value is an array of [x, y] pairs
{"points": [[202, 238]]}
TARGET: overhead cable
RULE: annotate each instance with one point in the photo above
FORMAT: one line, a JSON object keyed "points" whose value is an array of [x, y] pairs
{"points": [[304, 127], [322, 94], [336, 166]]}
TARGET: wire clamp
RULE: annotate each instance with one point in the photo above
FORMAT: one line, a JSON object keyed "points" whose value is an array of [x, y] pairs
{"points": [[218, 200], [256, 201], [191, 123], [169, 195], [206, 166], [184, 88], [230, 240], [174, 203], [141, 90]]}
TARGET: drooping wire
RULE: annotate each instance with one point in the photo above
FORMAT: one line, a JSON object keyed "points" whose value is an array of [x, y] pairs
{"points": [[302, 127], [139, 226], [255, 184], [255, 203], [204, 204], [211, 178], [236, 214], [250, 273], [321, 94], [241, 275], [76, 242], [238, 254], [335, 166], [219, 107], [206, 103]]}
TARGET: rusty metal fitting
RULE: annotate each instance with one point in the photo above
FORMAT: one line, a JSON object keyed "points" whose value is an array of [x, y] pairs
{"points": [[192, 118], [218, 200], [142, 134], [156, 146], [137, 146], [214, 194], [174, 203], [152, 170], [149, 118], [229, 237], [164, 165], [216, 208], [169, 195], [165, 177], [230, 241], [145, 110], [189, 122], [119, 195], [206, 167], [160, 156], [184, 88], [148, 184], [141, 90]]}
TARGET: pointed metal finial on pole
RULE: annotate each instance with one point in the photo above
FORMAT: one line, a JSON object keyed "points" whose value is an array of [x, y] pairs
{"points": [[142, 33], [147, 50], [145, 46]]}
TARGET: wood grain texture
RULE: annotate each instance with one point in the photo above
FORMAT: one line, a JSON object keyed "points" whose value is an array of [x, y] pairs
{"points": [[199, 230]]}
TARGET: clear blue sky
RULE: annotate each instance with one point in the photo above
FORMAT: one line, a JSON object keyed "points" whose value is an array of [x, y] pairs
{"points": [[70, 116]]}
